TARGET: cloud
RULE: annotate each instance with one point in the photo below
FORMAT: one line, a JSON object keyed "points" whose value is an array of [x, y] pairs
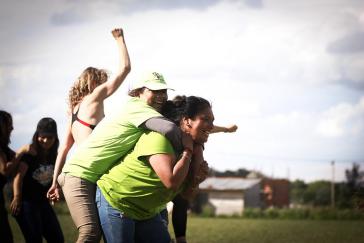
{"points": [[349, 44], [66, 17], [254, 3], [342, 120]]}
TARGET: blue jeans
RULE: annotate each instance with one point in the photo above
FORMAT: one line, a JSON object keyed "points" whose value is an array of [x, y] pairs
{"points": [[118, 228], [37, 219]]}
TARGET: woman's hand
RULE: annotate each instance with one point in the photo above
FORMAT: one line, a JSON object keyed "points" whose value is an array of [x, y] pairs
{"points": [[231, 128], [15, 205], [202, 173], [53, 193], [117, 33]]}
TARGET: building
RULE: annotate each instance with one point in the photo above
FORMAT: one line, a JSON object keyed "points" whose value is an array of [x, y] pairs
{"points": [[230, 195], [276, 192]]}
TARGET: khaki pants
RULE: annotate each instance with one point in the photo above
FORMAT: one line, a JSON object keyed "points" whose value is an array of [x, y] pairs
{"points": [[80, 198]]}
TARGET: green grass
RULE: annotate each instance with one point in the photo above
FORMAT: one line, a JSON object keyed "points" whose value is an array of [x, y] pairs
{"points": [[211, 230]]}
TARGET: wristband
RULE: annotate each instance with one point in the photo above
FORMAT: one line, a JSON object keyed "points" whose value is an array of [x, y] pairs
{"points": [[188, 155], [188, 150]]}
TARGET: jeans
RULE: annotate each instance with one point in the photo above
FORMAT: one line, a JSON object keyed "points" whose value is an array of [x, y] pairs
{"points": [[37, 219], [80, 198], [118, 228]]}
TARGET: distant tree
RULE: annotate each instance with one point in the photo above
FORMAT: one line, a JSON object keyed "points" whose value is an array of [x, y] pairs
{"points": [[353, 177], [343, 196], [355, 186], [229, 173], [297, 189], [317, 193]]}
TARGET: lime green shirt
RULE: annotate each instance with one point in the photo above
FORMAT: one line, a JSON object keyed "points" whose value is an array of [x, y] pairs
{"points": [[112, 138], [132, 186]]}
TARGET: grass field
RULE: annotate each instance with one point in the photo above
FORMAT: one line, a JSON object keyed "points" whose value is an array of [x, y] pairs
{"points": [[235, 230]]}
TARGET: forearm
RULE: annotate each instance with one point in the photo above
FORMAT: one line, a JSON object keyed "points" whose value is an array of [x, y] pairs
{"points": [[60, 161], [17, 186], [181, 168], [125, 65], [217, 129]]}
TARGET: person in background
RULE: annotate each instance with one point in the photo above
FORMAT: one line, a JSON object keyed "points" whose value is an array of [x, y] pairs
{"points": [[8, 165], [30, 205], [131, 195]]}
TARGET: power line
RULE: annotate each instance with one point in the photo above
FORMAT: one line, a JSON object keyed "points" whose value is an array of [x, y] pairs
{"points": [[282, 158]]}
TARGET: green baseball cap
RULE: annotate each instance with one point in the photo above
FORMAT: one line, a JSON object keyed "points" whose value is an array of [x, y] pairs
{"points": [[152, 81]]}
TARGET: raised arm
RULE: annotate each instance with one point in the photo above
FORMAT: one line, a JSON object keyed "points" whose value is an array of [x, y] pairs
{"points": [[53, 193], [231, 128], [108, 88]]}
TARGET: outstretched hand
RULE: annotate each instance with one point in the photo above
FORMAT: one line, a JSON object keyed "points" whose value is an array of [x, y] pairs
{"points": [[117, 33], [231, 128]]}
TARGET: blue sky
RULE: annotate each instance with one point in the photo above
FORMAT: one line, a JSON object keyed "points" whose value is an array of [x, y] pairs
{"points": [[290, 74]]}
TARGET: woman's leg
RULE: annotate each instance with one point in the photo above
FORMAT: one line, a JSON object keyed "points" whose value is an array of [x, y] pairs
{"points": [[80, 198], [30, 222], [51, 228], [152, 230], [179, 218], [116, 227], [5, 235]]}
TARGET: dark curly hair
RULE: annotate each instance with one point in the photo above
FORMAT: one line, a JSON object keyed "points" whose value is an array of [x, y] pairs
{"points": [[184, 106]]}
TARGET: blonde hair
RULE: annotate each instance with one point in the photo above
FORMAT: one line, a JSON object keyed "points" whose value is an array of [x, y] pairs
{"points": [[89, 79]]}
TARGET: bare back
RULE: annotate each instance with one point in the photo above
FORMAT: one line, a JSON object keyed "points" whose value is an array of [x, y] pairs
{"points": [[90, 111]]}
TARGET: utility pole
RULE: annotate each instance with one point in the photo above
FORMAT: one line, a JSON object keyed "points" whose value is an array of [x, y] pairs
{"points": [[333, 184]]}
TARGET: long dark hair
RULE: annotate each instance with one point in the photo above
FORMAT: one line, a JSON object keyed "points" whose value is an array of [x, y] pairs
{"points": [[6, 121], [51, 155], [184, 106]]}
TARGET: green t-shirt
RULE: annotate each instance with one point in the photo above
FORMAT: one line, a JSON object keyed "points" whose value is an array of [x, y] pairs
{"points": [[132, 186], [112, 138]]}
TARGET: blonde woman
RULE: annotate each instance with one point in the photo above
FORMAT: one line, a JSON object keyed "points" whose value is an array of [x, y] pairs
{"points": [[86, 105]]}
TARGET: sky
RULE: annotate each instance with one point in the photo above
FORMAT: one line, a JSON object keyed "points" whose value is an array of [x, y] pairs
{"points": [[290, 74]]}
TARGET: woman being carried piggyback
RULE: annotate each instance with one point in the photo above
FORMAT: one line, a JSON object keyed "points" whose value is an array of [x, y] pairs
{"points": [[132, 194]]}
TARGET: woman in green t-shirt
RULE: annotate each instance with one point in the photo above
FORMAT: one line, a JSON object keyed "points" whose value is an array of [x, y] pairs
{"points": [[132, 194]]}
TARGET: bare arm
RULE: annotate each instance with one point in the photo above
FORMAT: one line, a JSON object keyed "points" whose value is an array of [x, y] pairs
{"points": [[108, 88], [7, 167], [231, 128], [171, 174], [15, 205], [53, 193]]}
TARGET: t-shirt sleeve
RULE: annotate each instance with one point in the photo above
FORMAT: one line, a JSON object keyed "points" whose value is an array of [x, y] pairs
{"points": [[167, 128], [153, 143]]}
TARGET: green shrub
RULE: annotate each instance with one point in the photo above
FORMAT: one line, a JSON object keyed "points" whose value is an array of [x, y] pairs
{"points": [[252, 213], [207, 211]]}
